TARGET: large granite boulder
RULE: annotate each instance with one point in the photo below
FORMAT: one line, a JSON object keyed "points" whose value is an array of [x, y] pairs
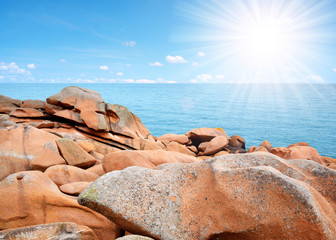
{"points": [[31, 198], [235, 196], [8, 104], [61, 231], [86, 107]]}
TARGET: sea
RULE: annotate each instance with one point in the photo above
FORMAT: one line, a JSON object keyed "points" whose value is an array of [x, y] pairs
{"points": [[280, 113]]}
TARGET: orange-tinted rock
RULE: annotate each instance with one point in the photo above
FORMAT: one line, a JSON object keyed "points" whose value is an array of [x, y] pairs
{"points": [[19, 146], [170, 137], [252, 149], [86, 145], [327, 160], [256, 196], [69, 114], [98, 155], [266, 145], [282, 152], [123, 159], [8, 104], [153, 157], [299, 144], [215, 145], [62, 174], [74, 188], [298, 152], [26, 113], [237, 141], [31, 198], [63, 230], [177, 147], [221, 153], [52, 109], [37, 104], [97, 169], [261, 149], [199, 135], [45, 124], [202, 158], [74, 154], [48, 157], [87, 106], [332, 166], [202, 146], [192, 148]]}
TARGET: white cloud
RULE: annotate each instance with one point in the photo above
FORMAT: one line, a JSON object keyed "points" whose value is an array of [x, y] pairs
{"points": [[315, 78], [120, 74], [127, 80], [31, 66], [201, 78], [201, 54], [13, 68], [219, 76], [129, 44], [155, 64], [145, 81], [112, 80], [176, 59], [104, 68], [128, 65], [62, 60], [171, 81], [334, 69], [194, 64], [1, 77]]}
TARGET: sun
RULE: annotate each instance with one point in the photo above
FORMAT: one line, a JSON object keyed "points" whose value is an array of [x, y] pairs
{"points": [[265, 38]]}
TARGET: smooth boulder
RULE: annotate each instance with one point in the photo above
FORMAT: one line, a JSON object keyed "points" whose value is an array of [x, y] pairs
{"points": [[254, 196]]}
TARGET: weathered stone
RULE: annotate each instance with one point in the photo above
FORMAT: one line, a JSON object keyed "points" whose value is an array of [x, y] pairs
{"points": [[215, 145], [266, 144], [298, 152], [8, 104], [31, 198], [74, 154], [61, 231], [256, 196], [170, 137], [26, 113], [122, 159], [86, 145], [97, 169], [237, 141], [202, 146], [19, 146], [48, 157], [199, 135], [62, 174], [37, 104], [74, 188], [177, 147]]}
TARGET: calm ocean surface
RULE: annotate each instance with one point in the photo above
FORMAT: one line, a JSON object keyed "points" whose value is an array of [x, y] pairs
{"points": [[282, 114]]}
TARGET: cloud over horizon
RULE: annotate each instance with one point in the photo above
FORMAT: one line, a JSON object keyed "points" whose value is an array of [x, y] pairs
{"points": [[104, 68], [175, 59], [155, 64]]}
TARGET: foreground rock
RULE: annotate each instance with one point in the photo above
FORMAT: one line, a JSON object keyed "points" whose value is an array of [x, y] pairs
{"points": [[31, 198], [243, 196], [61, 231]]}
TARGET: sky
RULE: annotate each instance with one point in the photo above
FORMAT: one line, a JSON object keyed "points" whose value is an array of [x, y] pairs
{"points": [[175, 41]]}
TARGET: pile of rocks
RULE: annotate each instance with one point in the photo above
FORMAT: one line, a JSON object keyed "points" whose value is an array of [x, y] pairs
{"points": [[200, 185]]}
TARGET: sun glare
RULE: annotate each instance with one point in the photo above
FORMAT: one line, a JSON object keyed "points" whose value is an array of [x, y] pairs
{"points": [[265, 38]]}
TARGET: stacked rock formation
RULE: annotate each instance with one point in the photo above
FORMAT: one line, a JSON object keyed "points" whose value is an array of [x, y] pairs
{"points": [[198, 185]]}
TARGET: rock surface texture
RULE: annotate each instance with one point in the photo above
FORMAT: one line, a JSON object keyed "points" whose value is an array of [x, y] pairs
{"points": [[250, 196], [60, 231]]}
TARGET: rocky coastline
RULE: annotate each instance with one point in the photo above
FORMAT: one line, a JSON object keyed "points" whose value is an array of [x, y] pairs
{"points": [[76, 167]]}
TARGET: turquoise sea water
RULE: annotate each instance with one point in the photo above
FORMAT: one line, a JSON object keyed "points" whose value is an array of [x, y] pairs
{"points": [[282, 114]]}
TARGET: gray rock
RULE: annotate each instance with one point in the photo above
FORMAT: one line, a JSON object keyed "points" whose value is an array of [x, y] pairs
{"points": [[240, 196]]}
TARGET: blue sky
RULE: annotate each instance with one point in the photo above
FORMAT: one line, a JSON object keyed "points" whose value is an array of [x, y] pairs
{"points": [[159, 41]]}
